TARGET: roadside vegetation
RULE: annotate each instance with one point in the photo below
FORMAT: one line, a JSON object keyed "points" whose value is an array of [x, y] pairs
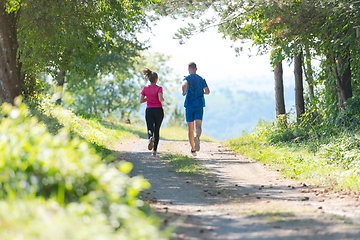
{"points": [[63, 183], [321, 40], [328, 157], [59, 175]]}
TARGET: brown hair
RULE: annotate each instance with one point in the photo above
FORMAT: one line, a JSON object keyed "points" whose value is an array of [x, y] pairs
{"points": [[192, 65], [150, 75]]}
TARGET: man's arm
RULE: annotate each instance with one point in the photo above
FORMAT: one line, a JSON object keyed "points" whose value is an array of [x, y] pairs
{"points": [[207, 91], [184, 87]]}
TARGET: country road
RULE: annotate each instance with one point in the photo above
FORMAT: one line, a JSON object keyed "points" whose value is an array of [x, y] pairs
{"points": [[237, 198]]}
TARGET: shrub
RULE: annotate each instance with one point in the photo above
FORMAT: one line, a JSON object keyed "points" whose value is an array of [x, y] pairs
{"points": [[34, 163], [38, 219]]}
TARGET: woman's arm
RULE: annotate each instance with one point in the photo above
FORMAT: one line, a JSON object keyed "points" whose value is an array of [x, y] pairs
{"points": [[161, 97], [142, 98]]}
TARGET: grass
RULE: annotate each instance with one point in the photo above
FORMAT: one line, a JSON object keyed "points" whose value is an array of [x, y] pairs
{"points": [[297, 163], [273, 216], [183, 164], [169, 133], [92, 130]]}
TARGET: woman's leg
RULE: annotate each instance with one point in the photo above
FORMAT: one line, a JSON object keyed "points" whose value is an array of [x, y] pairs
{"points": [[158, 116], [150, 121]]}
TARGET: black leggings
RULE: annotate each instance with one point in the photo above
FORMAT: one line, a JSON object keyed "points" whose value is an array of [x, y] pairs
{"points": [[154, 118]]}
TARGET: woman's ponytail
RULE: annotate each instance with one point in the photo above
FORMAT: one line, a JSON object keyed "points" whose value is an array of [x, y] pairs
{"points": [[150, 75]]}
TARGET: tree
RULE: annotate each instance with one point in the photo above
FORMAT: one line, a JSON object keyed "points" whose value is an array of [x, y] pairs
{"points": [[81, 36], [117, 94], [279, 89], [10, 84], [177, 118], [324, 29], [299, 90]]}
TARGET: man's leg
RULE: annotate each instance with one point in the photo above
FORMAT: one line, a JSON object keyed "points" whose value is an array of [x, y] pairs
{"points": [[198, 124], [198, 116], [191, 135]]}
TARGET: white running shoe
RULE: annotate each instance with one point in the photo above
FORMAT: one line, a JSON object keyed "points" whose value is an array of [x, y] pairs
{"points": [[151, 143], [153, 153], [197, 143], [193, 153]]}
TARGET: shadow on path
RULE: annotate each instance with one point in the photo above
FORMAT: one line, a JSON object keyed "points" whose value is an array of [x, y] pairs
{"points": [[236, 199]]}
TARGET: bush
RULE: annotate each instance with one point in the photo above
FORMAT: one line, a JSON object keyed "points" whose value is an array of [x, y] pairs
{"points": [[39, 220], [279, 131], [35, 164], [344, 151]]}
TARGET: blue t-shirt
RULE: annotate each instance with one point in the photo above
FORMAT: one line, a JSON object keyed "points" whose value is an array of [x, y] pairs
{"points": [[195, 91]]}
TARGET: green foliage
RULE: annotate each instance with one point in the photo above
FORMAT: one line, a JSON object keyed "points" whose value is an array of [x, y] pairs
{"points": [[323, 30], [39, 219], [297, 161], [35, 165], [73, 36], [281, 131], [343, 151], [34, 88], [177, 118], [116, 95], [301, 153], [101, 97], [91, 130]]}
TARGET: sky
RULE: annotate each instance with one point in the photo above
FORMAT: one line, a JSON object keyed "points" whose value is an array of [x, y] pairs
{"points": [[216, 60]]}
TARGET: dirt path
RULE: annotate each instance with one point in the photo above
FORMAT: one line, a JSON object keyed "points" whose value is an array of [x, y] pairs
{"points": [[239, 198]]}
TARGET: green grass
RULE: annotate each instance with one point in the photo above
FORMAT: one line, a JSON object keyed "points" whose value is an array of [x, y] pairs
{"points": [[297, 163], [103, 137], [169, 133], [92, 130], [272, 216], [183, 164]]}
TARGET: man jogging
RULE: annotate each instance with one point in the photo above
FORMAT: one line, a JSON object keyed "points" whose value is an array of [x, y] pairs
{"points": [[193, 88]]}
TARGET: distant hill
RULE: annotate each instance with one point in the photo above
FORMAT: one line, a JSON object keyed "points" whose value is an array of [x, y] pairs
{"points": [[230, 113]]}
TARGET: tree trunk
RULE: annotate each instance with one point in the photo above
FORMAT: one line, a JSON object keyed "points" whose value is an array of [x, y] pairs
{"points": [[345, 78], [279, 89], [10, 83], [299, 90], [309, 74], [342, 72], [60, 86]]}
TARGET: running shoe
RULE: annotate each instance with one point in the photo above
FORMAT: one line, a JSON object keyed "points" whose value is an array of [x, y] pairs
{"points": [[151, 143], [197, 143], [193, 153], [153, 153]]}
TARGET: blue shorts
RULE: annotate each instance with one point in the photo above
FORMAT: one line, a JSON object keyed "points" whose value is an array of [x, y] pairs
{"points": [[194, 113]]}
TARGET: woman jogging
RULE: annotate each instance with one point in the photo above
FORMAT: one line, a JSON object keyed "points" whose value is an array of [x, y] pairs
{"points": [[154, 114]]}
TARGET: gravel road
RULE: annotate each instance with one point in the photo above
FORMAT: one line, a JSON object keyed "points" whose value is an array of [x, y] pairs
{"points": [[237, 198]]}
